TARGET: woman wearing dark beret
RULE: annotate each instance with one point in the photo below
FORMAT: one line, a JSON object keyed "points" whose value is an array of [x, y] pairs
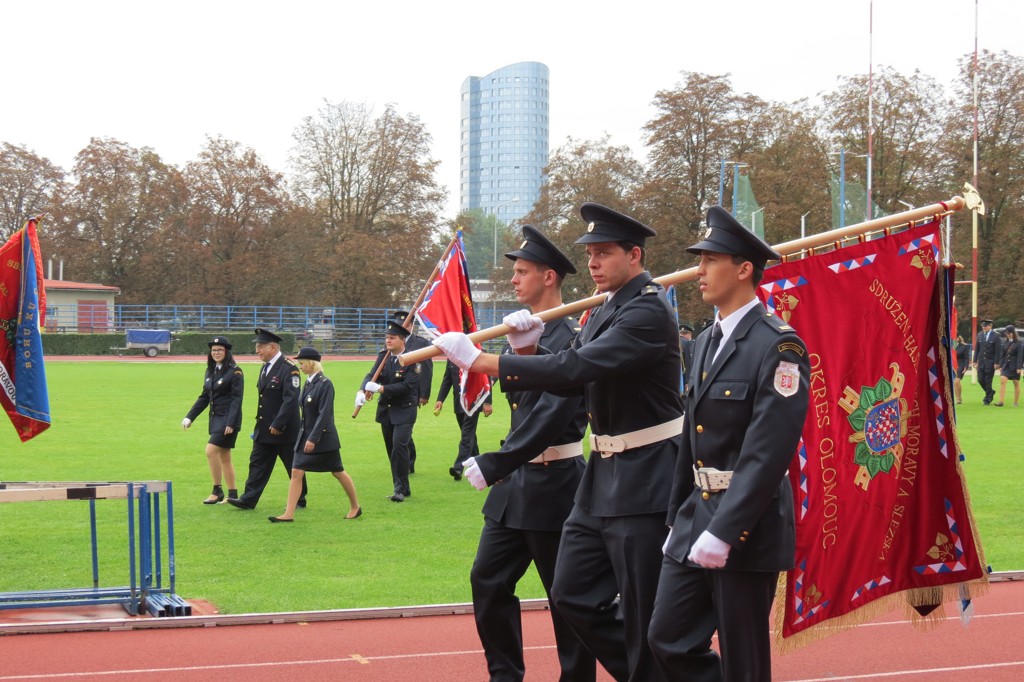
{"points": [[317, 447], [223, 388]]}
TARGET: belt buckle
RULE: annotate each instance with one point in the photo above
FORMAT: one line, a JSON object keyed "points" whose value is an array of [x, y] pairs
{"points": [[607, 445]]}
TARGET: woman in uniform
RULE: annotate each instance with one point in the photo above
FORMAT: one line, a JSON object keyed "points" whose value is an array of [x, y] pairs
{"points": [[222, 392], [318, 447]]}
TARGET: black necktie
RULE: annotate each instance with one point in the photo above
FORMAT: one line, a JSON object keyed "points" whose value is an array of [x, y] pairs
{"points": [[716, 338]]}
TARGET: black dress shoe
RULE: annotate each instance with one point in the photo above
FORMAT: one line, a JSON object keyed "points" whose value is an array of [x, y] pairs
{"points": [[238, 503], [216, 496], [397, 497], [301, 503], [455, 473], [274, 519]]}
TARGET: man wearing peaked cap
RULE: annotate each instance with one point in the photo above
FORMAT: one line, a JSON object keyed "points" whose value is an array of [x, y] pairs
{"points": [[277, 420], [731, 510], [426, 385], [988, 351], [727, 235], [396, 408], [625, 365], [525, 512], [607, 225]]}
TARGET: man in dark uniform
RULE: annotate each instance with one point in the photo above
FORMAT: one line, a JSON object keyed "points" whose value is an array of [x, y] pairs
{"points": [[467, 423], [731, 511], [626, 363], [277, 420], [686, 351], [988, 351], [396, 409], [524, 513], [415, 342]]}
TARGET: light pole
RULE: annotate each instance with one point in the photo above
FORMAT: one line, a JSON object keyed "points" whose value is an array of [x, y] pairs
{"points": [[494, 213], [753, 222]]}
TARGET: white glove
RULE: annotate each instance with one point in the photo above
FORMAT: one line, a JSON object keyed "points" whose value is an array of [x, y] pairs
{"points": [[472, 473], [360, 398], [664, 546], [185, 423], [709, 551], [527, 329], [372, 386], [458, 348]]}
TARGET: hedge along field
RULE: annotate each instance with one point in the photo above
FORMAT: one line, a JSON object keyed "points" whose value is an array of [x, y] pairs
{"points": [[121, 421]]}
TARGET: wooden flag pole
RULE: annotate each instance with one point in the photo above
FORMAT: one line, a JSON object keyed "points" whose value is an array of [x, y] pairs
{"points": [[408, 322], [784, 249]]}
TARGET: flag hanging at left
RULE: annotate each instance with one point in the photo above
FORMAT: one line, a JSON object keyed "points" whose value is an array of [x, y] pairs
{"points": [[22, 312], [448, 307]]}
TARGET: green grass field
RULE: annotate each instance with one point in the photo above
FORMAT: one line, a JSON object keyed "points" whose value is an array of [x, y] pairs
{"points": [[121, 421]]}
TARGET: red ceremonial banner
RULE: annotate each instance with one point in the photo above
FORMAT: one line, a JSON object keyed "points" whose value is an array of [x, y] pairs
{"points": [[448, 307], [23, 391], [881, 504]]}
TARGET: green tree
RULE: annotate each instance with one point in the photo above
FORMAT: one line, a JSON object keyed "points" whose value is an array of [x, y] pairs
{"points": [[29, 185]]}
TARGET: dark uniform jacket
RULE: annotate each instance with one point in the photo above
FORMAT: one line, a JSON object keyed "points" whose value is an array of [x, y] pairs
{"points": [[450, 382], [222, 392], [400, 399], [989, 350], [278, 403], [626, 362], [318, 415], [741, 419], [426, 384], [538, 496]]}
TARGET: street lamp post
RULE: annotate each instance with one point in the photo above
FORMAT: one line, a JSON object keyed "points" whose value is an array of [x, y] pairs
{"points": [[494, 212], [753, 222]]}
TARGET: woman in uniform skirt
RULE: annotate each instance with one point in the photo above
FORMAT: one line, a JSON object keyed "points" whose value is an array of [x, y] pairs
{"points": [[222, 392], [318, 447]]}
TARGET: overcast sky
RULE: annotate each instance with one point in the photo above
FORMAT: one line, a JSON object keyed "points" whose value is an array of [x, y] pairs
{"points": [[166, 74]]}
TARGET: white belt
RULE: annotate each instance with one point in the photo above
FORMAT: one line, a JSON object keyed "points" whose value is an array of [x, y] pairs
{"points": [[609, 445], [711, 480], [557, 452]]}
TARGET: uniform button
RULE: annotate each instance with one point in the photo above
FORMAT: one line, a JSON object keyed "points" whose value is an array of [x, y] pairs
{"points": [[508, 378], [706, 496], [700, 429], [728, 392], [515, 378], [514, 406], [743, 539], [746, 532], [699, 464]]}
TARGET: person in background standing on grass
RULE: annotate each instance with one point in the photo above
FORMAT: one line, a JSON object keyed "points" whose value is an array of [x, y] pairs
{"points": [[318, 447], [963, 362], [223, 388], [1010, 365], [987, 354]]}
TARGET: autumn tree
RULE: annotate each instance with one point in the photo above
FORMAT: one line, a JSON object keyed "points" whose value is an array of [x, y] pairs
{"points": [[1000, 179], [370, 184], [119, 199], [29, 186]]}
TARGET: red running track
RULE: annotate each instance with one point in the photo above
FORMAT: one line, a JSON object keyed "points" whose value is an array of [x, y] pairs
{"points": [[446, 648]]}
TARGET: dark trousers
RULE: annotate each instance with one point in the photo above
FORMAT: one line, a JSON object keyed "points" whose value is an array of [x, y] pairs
{"points": [[502, 558], [606, 577], [467, 441], [693, 603], [985, 375], [396, 442], [261, 466]]}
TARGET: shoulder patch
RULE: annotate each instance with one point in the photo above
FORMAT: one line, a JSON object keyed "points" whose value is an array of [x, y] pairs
{"points": [[792, 347], [238, 372], [650, 289], [777, 323]]}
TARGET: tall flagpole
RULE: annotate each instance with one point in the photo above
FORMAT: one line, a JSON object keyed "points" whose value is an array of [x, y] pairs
{"points": [[868, 213], [974, 212]]}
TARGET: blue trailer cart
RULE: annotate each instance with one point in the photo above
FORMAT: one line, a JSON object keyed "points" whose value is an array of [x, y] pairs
{"points": [[151, 341]]}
